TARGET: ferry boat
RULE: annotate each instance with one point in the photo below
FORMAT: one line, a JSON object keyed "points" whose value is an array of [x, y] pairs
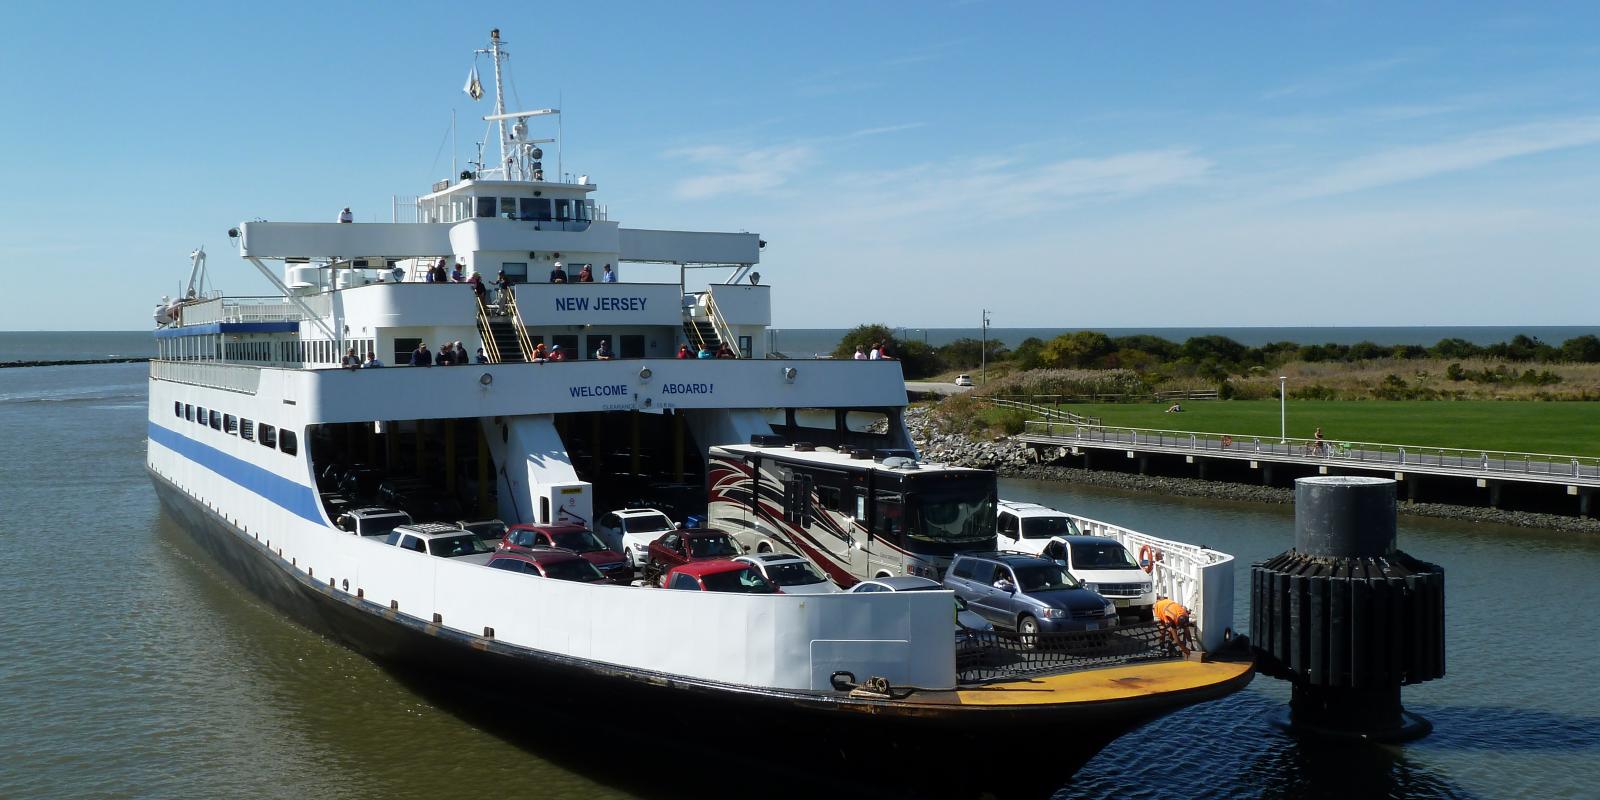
{"points": [[262, 439]]}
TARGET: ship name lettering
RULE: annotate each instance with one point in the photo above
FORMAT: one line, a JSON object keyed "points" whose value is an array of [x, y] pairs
{"points": [[601, 303]]}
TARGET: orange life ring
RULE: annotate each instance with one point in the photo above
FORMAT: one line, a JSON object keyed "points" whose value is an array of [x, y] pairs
{"points": [[1148, 556]]}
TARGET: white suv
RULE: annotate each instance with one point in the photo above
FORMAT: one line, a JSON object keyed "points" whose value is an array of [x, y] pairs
{"points": [[631, 530], [1028, 527], [444, 541], [1104, 565]]}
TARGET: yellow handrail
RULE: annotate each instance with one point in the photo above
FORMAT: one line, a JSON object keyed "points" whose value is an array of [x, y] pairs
{"points": [[486, 332], [525, 341]]}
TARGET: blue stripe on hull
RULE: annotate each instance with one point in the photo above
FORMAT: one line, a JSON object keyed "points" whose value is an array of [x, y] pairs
{"points": [[296, 498]]}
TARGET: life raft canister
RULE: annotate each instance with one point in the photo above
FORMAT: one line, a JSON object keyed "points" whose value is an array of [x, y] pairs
{"points": [[1171, 612]]}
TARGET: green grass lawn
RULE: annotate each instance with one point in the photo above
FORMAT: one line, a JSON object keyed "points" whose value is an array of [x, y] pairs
{"points": [[1533, 427]]}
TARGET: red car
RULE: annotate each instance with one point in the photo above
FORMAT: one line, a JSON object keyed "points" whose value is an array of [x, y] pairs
{"points": [[684, 546], [555, 564], [576, 538], [719, 575]]}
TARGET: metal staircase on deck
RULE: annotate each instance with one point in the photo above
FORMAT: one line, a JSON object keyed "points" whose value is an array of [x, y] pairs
{"points": [[701, 333]]}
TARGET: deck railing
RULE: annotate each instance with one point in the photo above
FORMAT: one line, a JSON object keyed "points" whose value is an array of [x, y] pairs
{"points": [[231, 377], [1472, 460], [242, 309]]}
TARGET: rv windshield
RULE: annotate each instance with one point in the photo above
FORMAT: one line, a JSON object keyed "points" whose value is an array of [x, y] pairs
{"points": [[953, 512]]}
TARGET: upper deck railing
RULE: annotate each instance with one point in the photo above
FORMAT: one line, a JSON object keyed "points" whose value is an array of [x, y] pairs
{"points": [[241, 309], [1453, 459]]}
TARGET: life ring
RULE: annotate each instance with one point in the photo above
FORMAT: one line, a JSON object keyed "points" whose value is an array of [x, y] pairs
{"points": [[1148, 556]]}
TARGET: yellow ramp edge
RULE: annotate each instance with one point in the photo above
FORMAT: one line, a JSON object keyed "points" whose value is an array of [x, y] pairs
{"points": [[1117, 683]]}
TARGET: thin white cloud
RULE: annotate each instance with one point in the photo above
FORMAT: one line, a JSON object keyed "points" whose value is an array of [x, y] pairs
{"points": [[1403, 164], [737, 171]]}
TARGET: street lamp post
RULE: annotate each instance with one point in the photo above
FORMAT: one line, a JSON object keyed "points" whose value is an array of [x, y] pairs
{"points": [[983, 354], [1283, 411]]}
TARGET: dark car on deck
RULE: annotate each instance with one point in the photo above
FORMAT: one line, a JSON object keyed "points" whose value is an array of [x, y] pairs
{"points": [[1027, 594], [687, 545], [719, 575], [557, 565], [574, 538]]}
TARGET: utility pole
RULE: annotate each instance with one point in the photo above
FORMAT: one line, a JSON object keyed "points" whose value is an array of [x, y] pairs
{"points": [[983, 354]]}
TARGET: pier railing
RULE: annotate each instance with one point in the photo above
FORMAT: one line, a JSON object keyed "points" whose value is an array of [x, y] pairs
{"points": [[1399, 456]]}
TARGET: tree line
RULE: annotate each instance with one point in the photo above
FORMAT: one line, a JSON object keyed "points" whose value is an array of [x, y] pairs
{"points": [[1210, 357]]}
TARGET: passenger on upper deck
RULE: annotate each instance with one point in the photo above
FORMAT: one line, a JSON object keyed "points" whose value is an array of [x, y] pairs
{"points": [[461, 354], [683, 351], [456, 276], [603, 352], [585, 275], [476, 282], [447, 355], [420, 357], [556, 354], [346, 216], [372, 361], [860, 355], [608, 276], [483, 358], [705, 352], [558, 275], [724, 351], [350, 360], [538, 353], [502, 286], [877, 352]]}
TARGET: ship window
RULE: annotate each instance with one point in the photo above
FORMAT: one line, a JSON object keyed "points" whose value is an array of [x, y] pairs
{"points": [[230, 423], [288, 442], [269, 435], [216, 420], [486, 206], [188, 412], [536, 208], [177, 409], [744, 346], [582, 209], [516, 271], [199, 415], [632, 346], [403, 349], [563, 209], [594, 341], [247, 430], [508, 207], [569, 344]]}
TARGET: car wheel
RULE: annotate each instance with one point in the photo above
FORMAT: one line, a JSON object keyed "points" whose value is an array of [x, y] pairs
{"points": [[1028, 632], [633, 562]]}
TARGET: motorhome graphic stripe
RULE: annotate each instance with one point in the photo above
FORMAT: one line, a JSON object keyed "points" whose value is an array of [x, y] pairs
{"points": [[295, 498]]}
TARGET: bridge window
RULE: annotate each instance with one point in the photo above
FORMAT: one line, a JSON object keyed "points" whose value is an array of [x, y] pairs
{"points": [[508, 207], [536, 209], [486, 206], [563, 209]]}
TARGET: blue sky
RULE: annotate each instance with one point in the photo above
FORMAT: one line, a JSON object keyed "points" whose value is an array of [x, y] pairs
{"points": [[1062, 164]]}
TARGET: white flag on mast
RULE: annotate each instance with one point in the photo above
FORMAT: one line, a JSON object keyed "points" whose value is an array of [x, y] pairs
{"points": [[474, 88]]}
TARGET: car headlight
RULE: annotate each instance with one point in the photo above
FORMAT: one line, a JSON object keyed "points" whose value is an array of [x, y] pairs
{"points": [[1052, 613], [1111, 608], [1093, 587], [1144, 587]]}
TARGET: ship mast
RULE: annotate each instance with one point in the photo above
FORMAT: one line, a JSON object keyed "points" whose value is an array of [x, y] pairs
{"points": [[499, 102]]}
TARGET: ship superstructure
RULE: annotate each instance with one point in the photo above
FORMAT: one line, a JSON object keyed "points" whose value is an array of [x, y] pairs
{"points": [[262, 436]]}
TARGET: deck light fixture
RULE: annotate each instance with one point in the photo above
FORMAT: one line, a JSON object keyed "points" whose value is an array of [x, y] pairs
{"points": [[485, 379], [645, 373], [789, 373]]}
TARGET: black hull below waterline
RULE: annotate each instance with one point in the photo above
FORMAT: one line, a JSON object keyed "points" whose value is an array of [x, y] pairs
{"points": [[896, 747]]}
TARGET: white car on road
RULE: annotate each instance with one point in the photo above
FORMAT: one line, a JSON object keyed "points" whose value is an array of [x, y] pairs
{"points": [[631, 530], [963, 380], [792, 574]]}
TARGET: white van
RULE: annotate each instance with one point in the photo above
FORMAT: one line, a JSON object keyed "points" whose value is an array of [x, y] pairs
{"points": [[1028, 527]]}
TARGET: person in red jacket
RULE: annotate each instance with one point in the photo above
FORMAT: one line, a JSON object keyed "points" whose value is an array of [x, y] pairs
{"points": [[683, 351]]}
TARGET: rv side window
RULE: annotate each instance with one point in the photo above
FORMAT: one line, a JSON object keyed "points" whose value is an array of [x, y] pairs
{"points": [[829, 497], [288, 442], [269, 435], [247, 430]]}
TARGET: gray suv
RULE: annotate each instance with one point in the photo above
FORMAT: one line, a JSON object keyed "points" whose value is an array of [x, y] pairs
{"points": [[1027, 594]]}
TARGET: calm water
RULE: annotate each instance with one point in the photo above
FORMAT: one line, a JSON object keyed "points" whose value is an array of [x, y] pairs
{"points": [[132, 668]]}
